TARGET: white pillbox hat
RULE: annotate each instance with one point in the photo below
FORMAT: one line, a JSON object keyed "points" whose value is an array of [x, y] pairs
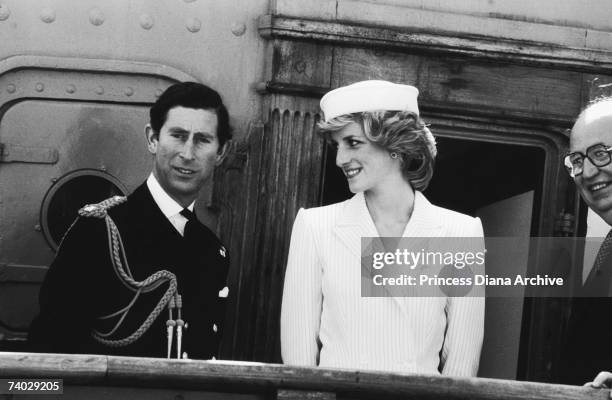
{"points": [[369, 96]]}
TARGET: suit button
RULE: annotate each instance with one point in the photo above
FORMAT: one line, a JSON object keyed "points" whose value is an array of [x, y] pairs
{"points": [[215, 328]]}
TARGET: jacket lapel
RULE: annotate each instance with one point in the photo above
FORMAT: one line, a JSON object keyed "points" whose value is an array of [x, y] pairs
{"points": [[156, 241], [424, 221], [354, 222], [147, 212]]}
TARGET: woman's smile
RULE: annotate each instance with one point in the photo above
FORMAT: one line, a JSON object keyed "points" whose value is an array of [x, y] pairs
{"points": [[351, 172]]}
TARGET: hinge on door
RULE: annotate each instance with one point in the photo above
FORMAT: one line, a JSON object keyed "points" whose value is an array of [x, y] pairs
{"points": [[28, 154]]}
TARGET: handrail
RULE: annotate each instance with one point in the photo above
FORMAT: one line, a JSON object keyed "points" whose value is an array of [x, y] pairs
{"points": [[249, 377]]}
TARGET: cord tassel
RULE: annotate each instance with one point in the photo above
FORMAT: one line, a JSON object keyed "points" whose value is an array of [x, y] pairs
{"points": [[170, 324], [179, 326], [118, 258]]}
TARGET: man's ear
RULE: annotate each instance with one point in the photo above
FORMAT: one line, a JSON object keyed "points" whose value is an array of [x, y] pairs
{"points": [[152, 139], [222, 153]]}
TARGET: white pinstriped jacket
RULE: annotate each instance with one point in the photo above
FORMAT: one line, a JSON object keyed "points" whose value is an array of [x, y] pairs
{"points": [[322, 305]]}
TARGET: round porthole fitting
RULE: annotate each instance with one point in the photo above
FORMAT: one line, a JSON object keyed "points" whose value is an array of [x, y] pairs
{"points": [[68, 194]]}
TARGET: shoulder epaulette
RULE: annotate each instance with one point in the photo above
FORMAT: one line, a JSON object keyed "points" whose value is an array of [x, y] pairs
{"points": [[99, 210]]}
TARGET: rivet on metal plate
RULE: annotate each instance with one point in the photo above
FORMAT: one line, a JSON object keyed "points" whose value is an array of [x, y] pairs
{"points": [[96, 16], [47, 15], [146, 21], [5, 12], [193, 25], [238, 29]]}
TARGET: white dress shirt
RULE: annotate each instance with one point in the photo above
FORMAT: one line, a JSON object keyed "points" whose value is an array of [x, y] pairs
{"points": [[170, 208]]}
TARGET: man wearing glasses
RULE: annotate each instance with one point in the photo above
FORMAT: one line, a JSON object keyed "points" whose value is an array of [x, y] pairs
{"points": [[589, 158], [590, 165]]}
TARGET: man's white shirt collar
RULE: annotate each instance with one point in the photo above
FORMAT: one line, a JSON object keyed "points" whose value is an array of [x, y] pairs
{"points": [[168, 206]]}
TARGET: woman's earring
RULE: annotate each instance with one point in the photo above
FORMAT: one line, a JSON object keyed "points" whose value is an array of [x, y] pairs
{"points": [[394, 155]]}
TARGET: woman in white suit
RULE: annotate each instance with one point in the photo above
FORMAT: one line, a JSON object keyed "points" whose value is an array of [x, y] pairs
{"points": [[387, 155]]}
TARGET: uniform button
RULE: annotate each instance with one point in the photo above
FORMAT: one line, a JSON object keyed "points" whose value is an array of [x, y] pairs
{"points": [[215, 328]]}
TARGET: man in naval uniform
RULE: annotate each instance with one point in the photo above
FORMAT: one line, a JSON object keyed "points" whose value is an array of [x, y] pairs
{"points": [[590, 165], [142, 276]]}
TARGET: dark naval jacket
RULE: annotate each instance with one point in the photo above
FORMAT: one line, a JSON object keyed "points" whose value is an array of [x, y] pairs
{"points": [[82, 285]]}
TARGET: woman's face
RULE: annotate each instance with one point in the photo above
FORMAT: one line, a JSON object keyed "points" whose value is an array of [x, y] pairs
{"points": [[365, 164]]}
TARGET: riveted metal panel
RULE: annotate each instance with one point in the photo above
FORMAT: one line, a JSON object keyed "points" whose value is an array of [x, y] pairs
{"points": [[105, 137], [214, 41]]}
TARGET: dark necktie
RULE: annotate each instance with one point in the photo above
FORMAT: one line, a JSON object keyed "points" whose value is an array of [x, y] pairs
{"points": [[598, 282], [190, 226]]}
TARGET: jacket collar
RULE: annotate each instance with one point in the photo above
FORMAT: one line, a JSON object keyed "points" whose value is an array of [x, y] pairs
{"points": [[355, 215], [168, 206], [144, 213]]}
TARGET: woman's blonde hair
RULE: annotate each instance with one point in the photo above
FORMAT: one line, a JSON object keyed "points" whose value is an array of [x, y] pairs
{"points": [[400, 132]]}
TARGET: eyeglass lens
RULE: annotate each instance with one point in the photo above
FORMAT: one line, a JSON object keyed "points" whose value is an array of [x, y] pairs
{"points": [[599, 155]]}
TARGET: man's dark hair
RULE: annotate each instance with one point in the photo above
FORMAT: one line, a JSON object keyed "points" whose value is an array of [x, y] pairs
{"points": [[191, 95]]}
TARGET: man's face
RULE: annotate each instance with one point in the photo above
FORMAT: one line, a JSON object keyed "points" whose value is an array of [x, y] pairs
{"points": [[186, 152], [595, 183]]}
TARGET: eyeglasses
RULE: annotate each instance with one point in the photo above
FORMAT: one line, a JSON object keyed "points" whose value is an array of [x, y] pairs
{"points": [[598, 155]]}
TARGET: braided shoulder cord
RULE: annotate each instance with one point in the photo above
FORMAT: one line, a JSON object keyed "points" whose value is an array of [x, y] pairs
{"points": [[117, 252]]}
